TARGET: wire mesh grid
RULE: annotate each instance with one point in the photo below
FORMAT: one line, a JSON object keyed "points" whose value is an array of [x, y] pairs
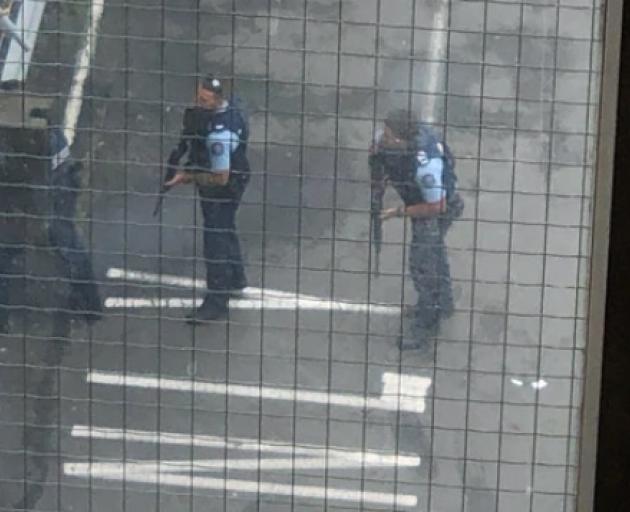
{"points": [[301, 398]]}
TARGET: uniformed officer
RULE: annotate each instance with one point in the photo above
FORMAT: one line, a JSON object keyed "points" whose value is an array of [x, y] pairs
{"points": [[215, 139], [413, 160], [65, 183]]}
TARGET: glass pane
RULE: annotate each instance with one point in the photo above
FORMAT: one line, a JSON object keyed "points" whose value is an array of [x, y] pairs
{"points": [[357, 341]]}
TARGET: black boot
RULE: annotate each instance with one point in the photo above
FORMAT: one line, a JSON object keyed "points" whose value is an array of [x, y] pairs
{"points": [[85, 301], [414, 342], [424, 347], [420, 337], [239, 283], [212, 308]]}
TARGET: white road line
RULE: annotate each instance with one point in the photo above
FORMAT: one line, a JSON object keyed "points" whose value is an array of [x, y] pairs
{"points": [[130, 473], [409, 397], [81, 72], [155, 303], [255, 304], [244, 444], [186, 282], [315, 305], [253, 298], [271, 464], [437, 46], [406, 390], [249, 292], [539, 384]]}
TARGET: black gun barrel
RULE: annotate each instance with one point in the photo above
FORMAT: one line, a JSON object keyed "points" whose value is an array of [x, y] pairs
{"points": [[377, 191], [160, 200]]}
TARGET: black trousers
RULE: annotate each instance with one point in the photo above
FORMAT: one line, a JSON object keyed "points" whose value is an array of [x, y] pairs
{"points": [[430, 272], [221, 247], [65, 238]]}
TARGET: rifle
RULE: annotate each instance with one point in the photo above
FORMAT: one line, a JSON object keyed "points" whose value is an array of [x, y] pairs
{"points": [[195, 125], [377, 191], [171, 171], [191, 126]]}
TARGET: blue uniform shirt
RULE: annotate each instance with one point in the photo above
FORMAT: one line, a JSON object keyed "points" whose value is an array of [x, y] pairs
{"points": [[226, 140], [225, 143], [429, 179], [417, 172]]}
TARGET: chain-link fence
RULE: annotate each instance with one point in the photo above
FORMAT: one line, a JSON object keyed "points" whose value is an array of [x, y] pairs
{"points": [[349, 347]]}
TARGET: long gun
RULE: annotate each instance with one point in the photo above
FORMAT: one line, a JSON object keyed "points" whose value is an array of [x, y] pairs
{"points": [[377, 191], [195, 122], [171, 170]]}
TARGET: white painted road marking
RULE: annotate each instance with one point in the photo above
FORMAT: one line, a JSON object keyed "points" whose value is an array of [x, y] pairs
{"points": [[131, 472], [356, 458], [255, 304], [186, 282], [155, 303], [81, 71], [303, 457], [539, 384], [253, 298], [407, 390], [438, 43], [400, 393], [209, 465]]}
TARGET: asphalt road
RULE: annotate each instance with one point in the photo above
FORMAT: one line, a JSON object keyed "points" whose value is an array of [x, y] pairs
{"points": [[319, 401]]}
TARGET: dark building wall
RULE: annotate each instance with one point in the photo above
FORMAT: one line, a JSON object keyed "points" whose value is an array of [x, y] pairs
{"points": [[613, 466]]}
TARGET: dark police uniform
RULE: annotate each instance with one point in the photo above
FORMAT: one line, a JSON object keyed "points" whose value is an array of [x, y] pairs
{"points": [[216, 141], [65, 183], [416, 174]]}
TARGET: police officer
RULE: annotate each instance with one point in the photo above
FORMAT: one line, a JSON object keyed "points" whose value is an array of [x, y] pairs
{"points": [[65, 183], [215, 140], [413, 160]]}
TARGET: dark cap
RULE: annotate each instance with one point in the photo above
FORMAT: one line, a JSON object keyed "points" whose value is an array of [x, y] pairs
{"points": [[404, 123], [212, 83], [40, 113]]}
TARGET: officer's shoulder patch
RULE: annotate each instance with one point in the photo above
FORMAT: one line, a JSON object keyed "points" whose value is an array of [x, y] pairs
{"points": [[217, 148], [428, 181]]}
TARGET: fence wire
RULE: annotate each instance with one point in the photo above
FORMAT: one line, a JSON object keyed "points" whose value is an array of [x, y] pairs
{"points": [[291, 391]]}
